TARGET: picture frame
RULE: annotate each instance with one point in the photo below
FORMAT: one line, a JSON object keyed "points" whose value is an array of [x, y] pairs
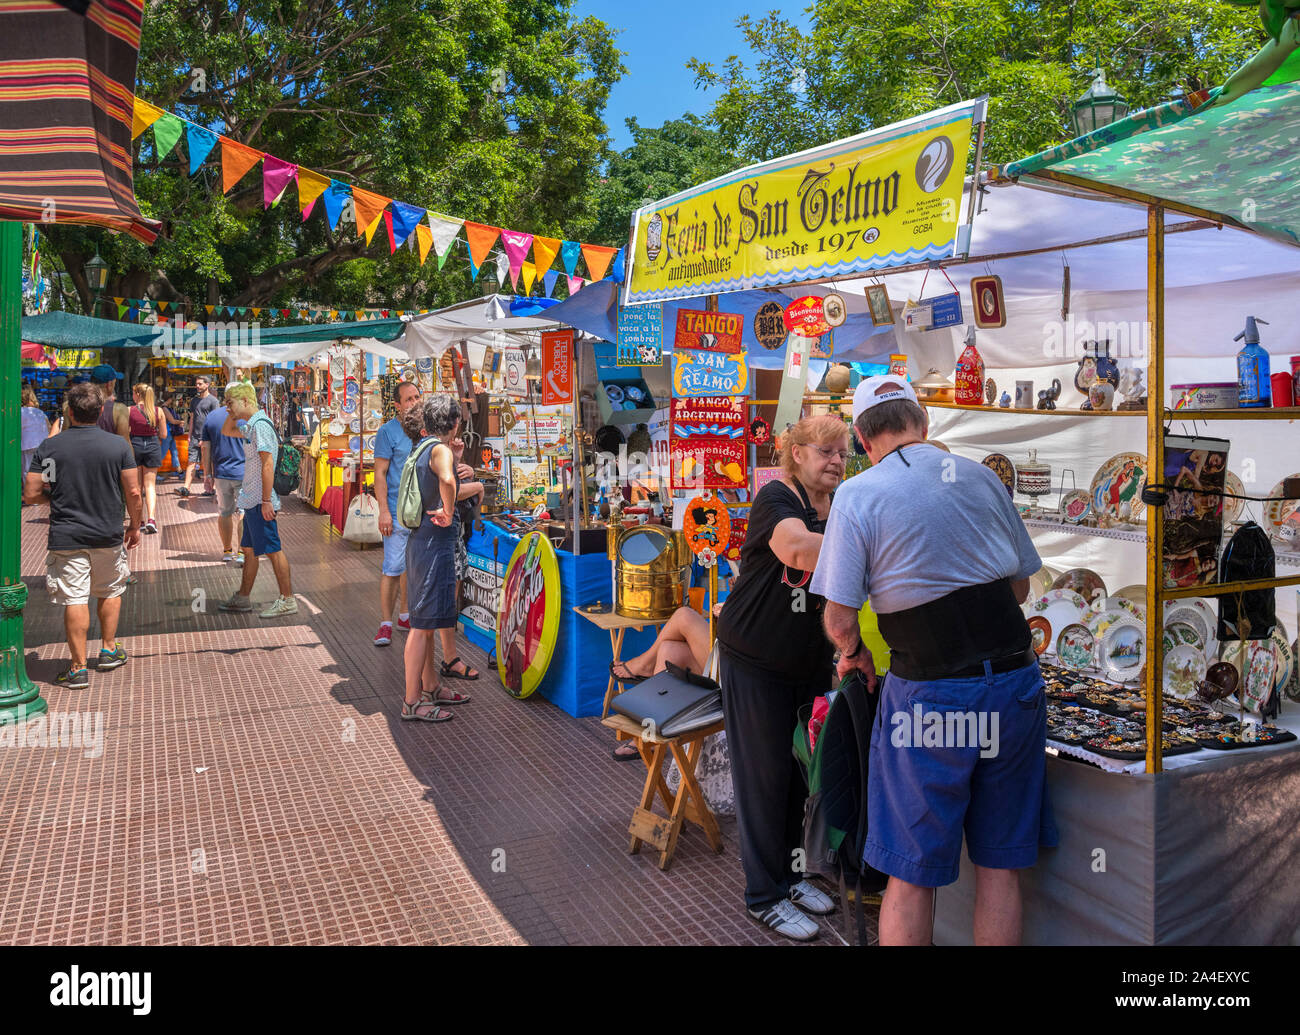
{"points": [[878, 302]]}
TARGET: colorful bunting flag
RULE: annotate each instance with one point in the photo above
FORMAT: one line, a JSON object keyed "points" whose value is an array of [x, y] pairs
{"points": [[335, 195], [598, 258], [481, 238], [570, 253], [369, 208], [444, 231], [311, 185], [405, 219], [166, 131], [276, 175], [236, 160], [209, 309], [388, 229], [121, 311], [617, 271], [503, 267], [549, 280], [529, 270], [143, 116], [516, 246], [575, 285], [423, 241], [199, 142], [544, 252]]}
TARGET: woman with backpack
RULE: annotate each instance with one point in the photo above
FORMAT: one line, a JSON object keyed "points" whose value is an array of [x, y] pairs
{"points": [[433, 425], [148, 427]]}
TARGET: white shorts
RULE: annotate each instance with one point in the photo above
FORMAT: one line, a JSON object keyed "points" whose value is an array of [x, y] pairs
{"points": [[74, 576], [227, 495]]}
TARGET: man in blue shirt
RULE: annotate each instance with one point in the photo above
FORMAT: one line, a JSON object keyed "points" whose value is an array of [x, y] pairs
{"points": [[392, 447], [223, 467]]}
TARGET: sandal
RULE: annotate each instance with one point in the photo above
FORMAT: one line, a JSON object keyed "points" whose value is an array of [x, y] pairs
{"points": [[431, 697], [630, 678], [621, 756], [182, 491], [413, 713], [448, 666]]}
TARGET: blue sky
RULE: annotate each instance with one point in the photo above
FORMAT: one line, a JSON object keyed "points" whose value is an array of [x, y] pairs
{"points": [[659, 38]]}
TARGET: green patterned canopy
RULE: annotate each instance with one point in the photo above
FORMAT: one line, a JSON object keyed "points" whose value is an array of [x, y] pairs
{"points": [[1241, 160]]}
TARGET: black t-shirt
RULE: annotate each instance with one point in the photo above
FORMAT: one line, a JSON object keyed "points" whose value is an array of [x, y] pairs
{"points": [[85, 480], [771, 619], [199, 412]]}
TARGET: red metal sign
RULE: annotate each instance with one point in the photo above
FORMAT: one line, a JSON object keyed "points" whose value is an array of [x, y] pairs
{"points": [[710, 332], [721, 413], [805, 316], [707, 463], [557, 367]]}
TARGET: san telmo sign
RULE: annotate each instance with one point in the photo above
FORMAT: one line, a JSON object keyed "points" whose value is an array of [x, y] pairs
{"points": [[885, 198]]}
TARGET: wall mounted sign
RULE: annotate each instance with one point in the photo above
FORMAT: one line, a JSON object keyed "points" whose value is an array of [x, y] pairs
{"points": [[482, 588], [528, 618], [835, 310], [889, 197], [711, 332], [640, 335], [763, 475], [707, 463], [697, 373], [710, 417], [805, 316], [988, 301], [769, 325], [945, 310], [707, 526], [515, 370], [760, 432], [557, 367]]}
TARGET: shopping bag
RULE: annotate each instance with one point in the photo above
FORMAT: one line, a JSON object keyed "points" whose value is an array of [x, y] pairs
{"points": [[362, 524]]}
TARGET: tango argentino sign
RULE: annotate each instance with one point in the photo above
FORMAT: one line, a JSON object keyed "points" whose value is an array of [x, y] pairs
{"points": [[884, 198]]}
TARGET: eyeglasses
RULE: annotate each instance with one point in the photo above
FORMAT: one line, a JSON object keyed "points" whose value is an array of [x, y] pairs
{"points": [[829, 453]]}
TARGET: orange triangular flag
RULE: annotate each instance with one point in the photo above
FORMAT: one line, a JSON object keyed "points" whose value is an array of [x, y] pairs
{"points": [[369, 208], [236, 160], [481, 238], [143, 116], [544, 251], [311, 185], [529, 272], [598, 259], [423, 240]]}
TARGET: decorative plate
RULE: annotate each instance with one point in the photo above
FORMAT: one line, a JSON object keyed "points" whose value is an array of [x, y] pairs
{"points": [[1123, 650], [1116, 490], [338, 366], [1181, 634], [1041, 631], [634, 393], [1183, 671], [1182, 612], [1004, 469], [368, 443], [354, 443], [336, 386], [372, 423], [349, 405], [1285, 671], [1087, 583], [354, 425], [1076, 505], [615, 394], [336, 427], [407, 373], [1061, 607], [424, 364], [350, 388], [1076, 647], [1257, 668], [1102, 605], [1100, 621], [1137, 594], [1232, 508], [1293, 687], [1279, 513]]}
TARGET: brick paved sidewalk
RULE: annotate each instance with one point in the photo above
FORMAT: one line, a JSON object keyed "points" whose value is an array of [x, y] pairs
{"points": [[256, 785]]}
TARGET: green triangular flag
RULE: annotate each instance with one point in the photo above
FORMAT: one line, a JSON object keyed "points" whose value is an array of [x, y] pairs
{"points": [[121, 311], [166, 131]]}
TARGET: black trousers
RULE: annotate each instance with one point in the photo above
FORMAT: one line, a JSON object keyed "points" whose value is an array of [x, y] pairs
{"points": [[761, 710]]}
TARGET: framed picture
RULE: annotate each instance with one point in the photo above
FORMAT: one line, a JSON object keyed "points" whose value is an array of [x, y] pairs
{"points": [[878, 301]]}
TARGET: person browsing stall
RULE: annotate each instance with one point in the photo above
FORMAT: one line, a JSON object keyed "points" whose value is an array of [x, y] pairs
{"points": [[392, 447], [936, 543], [223, 470], [774, 660]]}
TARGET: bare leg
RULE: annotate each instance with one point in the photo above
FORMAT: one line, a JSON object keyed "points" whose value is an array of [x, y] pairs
{"points": [[415, 658], [109, 612], [150, 494], [280, 565], [686, 626], [679, 654], [250, 572], [76, 621], [389, 586], [997, 906], [189, 473], [906, 914], [429, 674], [226, 525], [401, 594]]}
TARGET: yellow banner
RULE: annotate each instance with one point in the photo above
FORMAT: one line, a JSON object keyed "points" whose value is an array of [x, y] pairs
{"points": [[890, 197], [75, 358]]}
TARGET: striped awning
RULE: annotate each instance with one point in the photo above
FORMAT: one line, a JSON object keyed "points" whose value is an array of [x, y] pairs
{"points": [[67, 86]]}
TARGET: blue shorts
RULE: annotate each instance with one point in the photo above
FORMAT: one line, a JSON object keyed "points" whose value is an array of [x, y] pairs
{"points": [[260, 535], [953, 755], [395, 550]]}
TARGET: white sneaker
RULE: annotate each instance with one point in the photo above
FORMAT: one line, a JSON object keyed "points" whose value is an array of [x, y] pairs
{"points": [[237, 604], [811, 899], [282, 606], [785, 919]]}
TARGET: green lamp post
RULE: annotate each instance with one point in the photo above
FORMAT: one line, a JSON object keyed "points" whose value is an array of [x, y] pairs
{"points": [[1099, 106], [96, 271], [19, 698]]}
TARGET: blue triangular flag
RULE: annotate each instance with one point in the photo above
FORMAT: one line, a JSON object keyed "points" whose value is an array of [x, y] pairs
{"points": [[199, 142], [405, 218], [548, 281], [335, 194], [570, 253], [616, 269]]}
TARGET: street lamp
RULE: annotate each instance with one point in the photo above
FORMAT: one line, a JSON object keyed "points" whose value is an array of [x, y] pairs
{"points": [[1099, 106], [96, 271], [491, 285]]}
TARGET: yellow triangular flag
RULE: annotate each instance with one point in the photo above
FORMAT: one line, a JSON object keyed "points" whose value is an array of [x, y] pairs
{"points": [[209, 309], [257, 312], [544, 251], [530, 274], [423, 240], [334, 314], [143, 116], [373, 226], [311, 185]]}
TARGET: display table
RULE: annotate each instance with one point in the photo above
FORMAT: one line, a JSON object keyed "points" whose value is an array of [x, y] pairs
{"points": [[578, 677], [1198, 855]]}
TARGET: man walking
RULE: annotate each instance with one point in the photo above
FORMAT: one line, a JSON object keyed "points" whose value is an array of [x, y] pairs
{"points": [[223, 472], [392, 447], [259, 502], [204, 403], [936, 543], [87, 476]]}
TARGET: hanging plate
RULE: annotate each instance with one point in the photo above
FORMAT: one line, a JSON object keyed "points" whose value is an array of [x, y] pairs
{"points": [[1281, 519], [1117, 490], [1123, 651], [1184, 668], [1076, 647], [1004, 469], [1232, 508]]}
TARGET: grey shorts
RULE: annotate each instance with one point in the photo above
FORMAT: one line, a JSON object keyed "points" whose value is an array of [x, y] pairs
{"points": [[227, 494]]}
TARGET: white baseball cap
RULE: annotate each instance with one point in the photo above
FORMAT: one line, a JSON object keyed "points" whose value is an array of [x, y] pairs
{"points": [[872, 391]]}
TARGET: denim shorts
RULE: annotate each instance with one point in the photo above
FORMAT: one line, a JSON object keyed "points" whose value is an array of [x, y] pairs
{"points": [[956, 755], [395, 550], [260, 535]]}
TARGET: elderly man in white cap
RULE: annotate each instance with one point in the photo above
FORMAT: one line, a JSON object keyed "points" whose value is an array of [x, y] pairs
{"points": [[936, 543]]}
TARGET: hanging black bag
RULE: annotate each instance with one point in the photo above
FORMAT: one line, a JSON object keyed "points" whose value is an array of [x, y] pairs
{"points": [[1248, 556]]}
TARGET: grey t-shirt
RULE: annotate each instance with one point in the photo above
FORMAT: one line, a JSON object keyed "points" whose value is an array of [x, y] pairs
{"points": [[905, 536]]}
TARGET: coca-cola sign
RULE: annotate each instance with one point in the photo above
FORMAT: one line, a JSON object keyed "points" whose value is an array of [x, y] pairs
{"points": [[528, 618]]}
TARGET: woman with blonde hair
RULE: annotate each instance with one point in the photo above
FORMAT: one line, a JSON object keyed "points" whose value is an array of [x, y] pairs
{"points": [[775, 659], [148, 427]]}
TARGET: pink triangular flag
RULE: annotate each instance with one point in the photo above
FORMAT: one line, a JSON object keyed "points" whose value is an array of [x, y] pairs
{"points": [[516, 246], [575, 285], [276, 175]]}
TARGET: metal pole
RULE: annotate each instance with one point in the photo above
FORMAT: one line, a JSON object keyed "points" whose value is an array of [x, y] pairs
{"points": [[19, 698], [1155, 476]]}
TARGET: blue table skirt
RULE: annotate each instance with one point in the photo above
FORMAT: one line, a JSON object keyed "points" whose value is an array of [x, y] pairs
{"points": [[579, 671]]}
